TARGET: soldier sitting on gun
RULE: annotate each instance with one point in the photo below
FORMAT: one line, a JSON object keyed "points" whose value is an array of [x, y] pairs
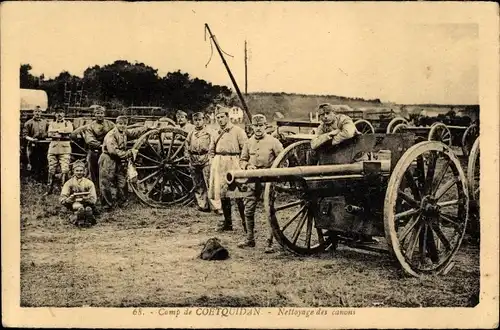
{"points": [[183, 122], [334, 127], [78, 195], [258, 152]]}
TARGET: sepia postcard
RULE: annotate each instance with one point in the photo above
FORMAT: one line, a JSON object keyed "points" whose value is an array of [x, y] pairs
{"points": [[250, 164]]}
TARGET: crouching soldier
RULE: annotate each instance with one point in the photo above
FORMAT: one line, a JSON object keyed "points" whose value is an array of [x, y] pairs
{"points": [[196, 151], [113, 163], [260, 151], [59, 148], [78, 195]]}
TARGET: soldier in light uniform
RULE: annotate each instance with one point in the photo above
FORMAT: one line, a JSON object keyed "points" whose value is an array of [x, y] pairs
{"points": [[34, 131], [113, 162], [196, 151], [74, 198], [94, 137], [183, 122], [259, 152], [59, 148], [225, 152], [334, 128]]}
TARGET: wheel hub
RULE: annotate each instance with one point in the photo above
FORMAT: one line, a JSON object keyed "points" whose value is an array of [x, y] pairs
{"points": [[429, 207]]}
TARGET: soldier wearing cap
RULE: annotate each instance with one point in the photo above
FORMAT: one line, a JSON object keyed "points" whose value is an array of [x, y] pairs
{"points": [[196, 151], [59, 148], [183, 122], [225, 152], [78, 194], [34, 131], [94, 137], [259, 152], [113, 162], [334, 127]]}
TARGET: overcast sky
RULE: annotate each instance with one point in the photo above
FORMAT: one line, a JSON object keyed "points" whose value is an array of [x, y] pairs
{"points": [[394, 53]]}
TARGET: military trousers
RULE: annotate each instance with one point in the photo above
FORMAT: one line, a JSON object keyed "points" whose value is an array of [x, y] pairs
{"points": [[62, 159], [38, 160], [93, 167], [201, 176], [255, 191], [112, 177]]}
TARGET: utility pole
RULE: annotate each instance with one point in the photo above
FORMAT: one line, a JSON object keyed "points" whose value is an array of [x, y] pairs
{"points": [[246, 69]]}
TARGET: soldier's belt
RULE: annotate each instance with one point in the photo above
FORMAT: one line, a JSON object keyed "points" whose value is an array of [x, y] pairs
{"points": [[198, 153], [228, 154]]}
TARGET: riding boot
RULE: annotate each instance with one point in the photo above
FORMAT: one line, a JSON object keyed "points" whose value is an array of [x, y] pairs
{"points": [[63, 179], [241, 209], [227, 223], [250, 240], [50, 185]]}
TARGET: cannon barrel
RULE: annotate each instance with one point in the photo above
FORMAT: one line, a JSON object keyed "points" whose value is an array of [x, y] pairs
{"points": [[279, 174]]}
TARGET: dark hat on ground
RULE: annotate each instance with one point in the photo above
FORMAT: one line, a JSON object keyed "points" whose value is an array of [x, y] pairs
{"points": [[200, 115], [213, 250]]}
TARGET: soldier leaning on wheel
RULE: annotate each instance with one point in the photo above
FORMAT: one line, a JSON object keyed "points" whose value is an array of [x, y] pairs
{"points": [[94, 138], [225, 153], [113, 163], [259, 152], [334, 127], [78, 195], [34, 131], [59, 148], [183, 122], [196, 151]]}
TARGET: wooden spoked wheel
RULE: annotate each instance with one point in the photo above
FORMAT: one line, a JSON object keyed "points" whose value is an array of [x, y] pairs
{"points": [[473, 171], [289, 209], [440, 132], [394, 122], [399, 128], [469, 137], [426, 208], [364, 126], [163, 177]]}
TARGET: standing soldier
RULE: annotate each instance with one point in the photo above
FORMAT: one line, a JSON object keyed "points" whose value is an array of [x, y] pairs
{"points": [[225, 153], [35, 130], [259, 152], [196, 150], [59, 148], [78, 194], [334, 127], [94, 137], [113, 163], [183, 122]]}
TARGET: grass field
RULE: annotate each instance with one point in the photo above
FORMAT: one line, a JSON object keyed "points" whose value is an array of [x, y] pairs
{"points": [[141, 256]]}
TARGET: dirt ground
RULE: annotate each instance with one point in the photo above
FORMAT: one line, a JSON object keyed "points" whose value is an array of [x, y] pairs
{"points": [[140, 256]]}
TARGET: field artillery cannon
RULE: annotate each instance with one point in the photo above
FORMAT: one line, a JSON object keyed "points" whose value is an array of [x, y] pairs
{"points": [[413, 196], [451, 135]]}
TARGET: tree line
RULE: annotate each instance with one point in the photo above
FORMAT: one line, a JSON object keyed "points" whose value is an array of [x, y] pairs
{"points": [[123, 84]]}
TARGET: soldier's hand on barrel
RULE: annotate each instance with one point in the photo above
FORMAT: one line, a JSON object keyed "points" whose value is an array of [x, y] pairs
{"points": [[333, 133], [251, 167]]}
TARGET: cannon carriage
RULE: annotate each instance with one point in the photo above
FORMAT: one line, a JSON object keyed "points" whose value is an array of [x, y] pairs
{"points": [[412, 197]]}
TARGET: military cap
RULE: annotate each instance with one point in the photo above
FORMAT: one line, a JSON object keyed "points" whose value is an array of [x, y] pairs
{"points": [[78, 164], [200, 115], [99, 108], [122, 119], [325, 107], [259, 119], [59, 109], [221, 109], [38, 107], [180, 113]]}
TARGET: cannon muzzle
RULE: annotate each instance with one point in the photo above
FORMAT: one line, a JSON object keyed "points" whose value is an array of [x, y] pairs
{"points": [[319, 171]]}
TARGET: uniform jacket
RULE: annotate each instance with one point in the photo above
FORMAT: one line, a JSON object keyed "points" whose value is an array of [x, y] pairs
{"points": [[228, 141], [115, 143], [36, 128], [95, 133], [260, 152], [59, 132], [188, 127], [340, 122], [75, 185], [198, 144]]}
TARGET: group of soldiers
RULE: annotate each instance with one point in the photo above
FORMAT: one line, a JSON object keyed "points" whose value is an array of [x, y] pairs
{"points": [[211, 154]]}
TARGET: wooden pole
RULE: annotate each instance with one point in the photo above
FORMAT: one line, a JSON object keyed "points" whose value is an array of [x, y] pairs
{"points": [[246, 69]]}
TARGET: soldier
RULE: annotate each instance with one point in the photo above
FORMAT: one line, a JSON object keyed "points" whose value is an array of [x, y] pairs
{"points": [[334, 127], [113, 162], [183, 122], [196, 151], [225, 152], [78, 194], [34, 131], [260, 151], [60, 148], [94, 137]]}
